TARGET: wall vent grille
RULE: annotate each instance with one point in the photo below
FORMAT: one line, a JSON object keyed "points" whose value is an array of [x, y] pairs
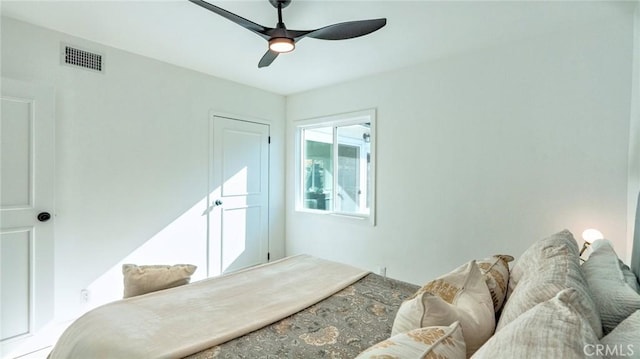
{"points": [[81, 58]]}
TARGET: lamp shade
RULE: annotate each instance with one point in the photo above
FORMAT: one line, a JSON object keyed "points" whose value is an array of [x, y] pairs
{"points": [[591, 234]]}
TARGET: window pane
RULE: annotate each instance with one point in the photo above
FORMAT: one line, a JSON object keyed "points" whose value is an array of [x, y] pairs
{"points": [[354, 148], [335, 165], [318, 168]]}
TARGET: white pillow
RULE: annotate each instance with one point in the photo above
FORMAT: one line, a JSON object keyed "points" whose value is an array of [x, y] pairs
{"points": [[466, 299], [443, 342], [150, 278], [625, 338], [614, 298], [552, 329]]}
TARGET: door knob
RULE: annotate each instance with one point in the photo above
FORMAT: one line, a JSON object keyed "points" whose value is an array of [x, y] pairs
{"points": [[217, 202], [44, 216]]}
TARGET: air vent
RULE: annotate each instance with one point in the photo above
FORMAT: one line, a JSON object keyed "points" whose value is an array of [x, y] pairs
{"points": [[81, 58]]}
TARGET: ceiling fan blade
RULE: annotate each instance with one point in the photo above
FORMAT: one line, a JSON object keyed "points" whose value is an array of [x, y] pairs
{"points": [[247, 24], [267, 59], [345, 30]]}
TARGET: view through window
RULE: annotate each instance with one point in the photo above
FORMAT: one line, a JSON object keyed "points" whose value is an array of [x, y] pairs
{"points": [[336, 165]]}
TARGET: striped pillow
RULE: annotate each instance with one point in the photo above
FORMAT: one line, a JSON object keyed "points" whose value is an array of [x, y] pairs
{"points": [[625, 337], [535, 256], [555, 328], [552, 266], [614, 298]]}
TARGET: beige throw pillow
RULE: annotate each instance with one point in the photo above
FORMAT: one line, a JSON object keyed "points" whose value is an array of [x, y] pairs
{"points": [[552, 329], [442, 342], [614, 298], [496, 273], [150, 278], [461, 295]]}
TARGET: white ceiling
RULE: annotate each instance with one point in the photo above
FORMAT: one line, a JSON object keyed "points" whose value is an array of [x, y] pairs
{"points": [[184, 34]]}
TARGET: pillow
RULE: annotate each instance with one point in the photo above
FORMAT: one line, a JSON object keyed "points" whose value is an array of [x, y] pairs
{"points": [[445, 342], [461, 295], [496, 274], [614, 298], [552, 329], [532, 258], [554, 265], [150, 278], [448, 286], [625, 338], [629, 277]]}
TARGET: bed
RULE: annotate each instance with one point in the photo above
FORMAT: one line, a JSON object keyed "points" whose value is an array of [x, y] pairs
{"points": [[328, 308], [340, 326], [331, 310]]}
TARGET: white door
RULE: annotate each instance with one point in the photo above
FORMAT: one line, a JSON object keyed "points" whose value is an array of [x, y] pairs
{"points": [[238, 194], [27, 189]]}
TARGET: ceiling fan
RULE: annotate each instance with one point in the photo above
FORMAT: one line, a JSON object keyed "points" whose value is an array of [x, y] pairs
{"points": [[282, 40]]}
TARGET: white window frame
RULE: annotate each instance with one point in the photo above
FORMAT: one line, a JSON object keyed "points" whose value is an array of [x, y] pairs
{"points": [[346, 119]]}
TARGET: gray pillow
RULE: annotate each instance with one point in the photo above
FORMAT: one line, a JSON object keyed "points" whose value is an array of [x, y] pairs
{"points": [[614, 298], [625, 338], [629, 277]]}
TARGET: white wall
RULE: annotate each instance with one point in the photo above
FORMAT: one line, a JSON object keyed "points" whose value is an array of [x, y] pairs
{"points": [[477, 154], [483, 153], [131, 159], [634, 137]]}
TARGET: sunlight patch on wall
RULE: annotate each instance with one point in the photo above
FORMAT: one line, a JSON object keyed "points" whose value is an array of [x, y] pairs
{"points": [[182, 241]]}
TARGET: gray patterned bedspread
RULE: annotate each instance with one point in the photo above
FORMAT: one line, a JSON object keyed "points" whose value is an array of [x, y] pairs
{"points": [[340, 326]]}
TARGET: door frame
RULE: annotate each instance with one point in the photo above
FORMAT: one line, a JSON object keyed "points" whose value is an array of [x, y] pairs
{"points": [[241, 118]]}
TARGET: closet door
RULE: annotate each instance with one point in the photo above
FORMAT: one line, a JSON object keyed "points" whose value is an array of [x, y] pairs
{"points": [[239, 194]]}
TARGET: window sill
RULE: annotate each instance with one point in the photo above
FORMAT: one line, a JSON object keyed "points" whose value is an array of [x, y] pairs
{"points": [[346, 216]]}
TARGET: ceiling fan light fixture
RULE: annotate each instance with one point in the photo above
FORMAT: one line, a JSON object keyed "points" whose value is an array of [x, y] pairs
{"points": [[282, 40], [281, 44]]}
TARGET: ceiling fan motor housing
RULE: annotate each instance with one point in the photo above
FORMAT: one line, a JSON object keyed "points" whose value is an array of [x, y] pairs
{"points": [[281, 3]]}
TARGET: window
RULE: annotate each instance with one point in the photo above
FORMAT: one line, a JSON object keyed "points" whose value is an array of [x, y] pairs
{"points": [[335, 164]]}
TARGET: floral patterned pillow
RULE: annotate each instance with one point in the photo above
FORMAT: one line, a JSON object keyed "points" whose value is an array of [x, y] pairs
{"points": [[496, 274], [442, 342], [461, 295]]}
